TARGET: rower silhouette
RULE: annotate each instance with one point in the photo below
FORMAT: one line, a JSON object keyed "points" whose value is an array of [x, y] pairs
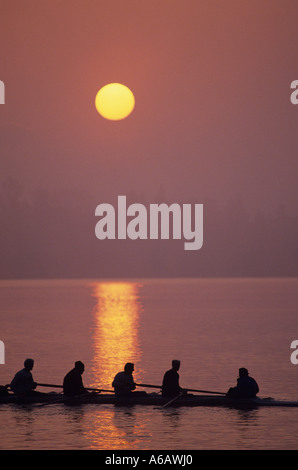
{"points": [[170, 383], [23, 384], [124, 383], [72, 382], [246, 387]]}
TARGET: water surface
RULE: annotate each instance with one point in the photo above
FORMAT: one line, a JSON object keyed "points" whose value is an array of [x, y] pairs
{"points": [[214, 326]]}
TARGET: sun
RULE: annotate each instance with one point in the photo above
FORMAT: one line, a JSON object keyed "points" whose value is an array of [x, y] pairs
{"points": [[114, 101]]}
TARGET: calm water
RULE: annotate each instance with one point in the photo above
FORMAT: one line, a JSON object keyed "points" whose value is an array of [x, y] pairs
{"points": [[213, 326]]}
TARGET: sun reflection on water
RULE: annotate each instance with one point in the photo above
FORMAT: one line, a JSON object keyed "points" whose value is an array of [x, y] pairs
{"points": [[115, 335]]}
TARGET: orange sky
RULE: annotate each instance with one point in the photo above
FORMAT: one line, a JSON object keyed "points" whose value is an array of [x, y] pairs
{"points": [[212, 121]]}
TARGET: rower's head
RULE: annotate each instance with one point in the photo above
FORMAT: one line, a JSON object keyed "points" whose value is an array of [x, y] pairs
{"points": [[28, 364], [176, 364], [79, 366], [129, 367], [243, 372]]}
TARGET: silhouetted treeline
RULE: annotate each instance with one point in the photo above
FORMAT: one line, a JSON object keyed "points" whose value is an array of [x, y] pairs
{"points": [[52, 235]]}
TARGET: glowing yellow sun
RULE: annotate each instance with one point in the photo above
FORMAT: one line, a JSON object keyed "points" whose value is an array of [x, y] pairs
{"points": [[114, 101]]}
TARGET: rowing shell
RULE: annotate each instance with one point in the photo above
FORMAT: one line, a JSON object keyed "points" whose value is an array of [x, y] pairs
{"points": [[150, 399]]}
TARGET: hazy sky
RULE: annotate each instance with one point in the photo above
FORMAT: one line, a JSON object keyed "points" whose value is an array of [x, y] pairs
{"points": [[213, 118]]}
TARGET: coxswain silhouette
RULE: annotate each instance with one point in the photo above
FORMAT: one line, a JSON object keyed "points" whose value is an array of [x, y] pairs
{"points": [[246, 386]]}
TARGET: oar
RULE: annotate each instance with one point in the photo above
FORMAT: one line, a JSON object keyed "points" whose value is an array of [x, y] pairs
{"points": [[171, 401], [203, 391], [89, 389], [149, 385], [186, 389], [59, 400]]}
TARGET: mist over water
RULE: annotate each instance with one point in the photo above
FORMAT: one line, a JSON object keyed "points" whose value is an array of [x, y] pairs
{"points": [[49, 235]]}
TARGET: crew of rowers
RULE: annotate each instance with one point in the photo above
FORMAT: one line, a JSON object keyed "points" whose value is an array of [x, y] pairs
{"points": [[123, 383]]}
